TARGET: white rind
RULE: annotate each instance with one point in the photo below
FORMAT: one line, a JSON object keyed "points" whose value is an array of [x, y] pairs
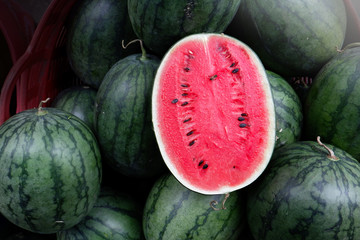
{"points": [[270, 107]]}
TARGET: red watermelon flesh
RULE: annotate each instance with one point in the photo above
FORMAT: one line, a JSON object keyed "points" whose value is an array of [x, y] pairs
{"points": [[213, 113]]}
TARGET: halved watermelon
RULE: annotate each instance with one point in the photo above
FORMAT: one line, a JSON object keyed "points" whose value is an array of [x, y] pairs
{"points": [[213, 113]]}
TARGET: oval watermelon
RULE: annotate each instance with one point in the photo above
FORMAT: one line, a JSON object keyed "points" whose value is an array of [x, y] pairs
{"points": [[114, 216], [50, 170], [174, 212], [78, 100], [213, 113], [306, 194], [288, 110], [96, 29], [332, 105], [123, 117], [293, 38], [160, 23]]}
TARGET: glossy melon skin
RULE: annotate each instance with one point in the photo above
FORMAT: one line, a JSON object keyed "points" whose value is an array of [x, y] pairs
{"points": [[172, 211], [115, 215], [123, 117], [304, 194], [96, 29], [78, 100], [161, 23], [288, 108], [292, 38], [50, 170], [332, 104], [212, 112]]}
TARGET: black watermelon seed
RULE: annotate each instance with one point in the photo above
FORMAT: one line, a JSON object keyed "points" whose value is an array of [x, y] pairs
{"points": [[242, 125], [201, 162], [184, 85], [205, 166], [184, 94], [234, 167], [174, 100], [213, 77], [192, 143], [244, 114], [184, 103], [232, 65], [189, 133], [187, 69], [186, 120], [235, 70], [241, 119]]}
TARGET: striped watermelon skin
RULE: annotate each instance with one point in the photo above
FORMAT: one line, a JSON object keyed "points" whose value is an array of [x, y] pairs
{"points": [[332, 105], [175, 212], [78, 100], [293, 38], [123, 122], [306, 195], [288, 110], [50, 170], [114, 216], [160, 23], [96, 29]]}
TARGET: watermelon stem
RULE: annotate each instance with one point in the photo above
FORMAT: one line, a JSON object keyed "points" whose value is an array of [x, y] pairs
{"points": [[331, 152], [351, 45], [40, 111], [143, 52], [213, 203]]}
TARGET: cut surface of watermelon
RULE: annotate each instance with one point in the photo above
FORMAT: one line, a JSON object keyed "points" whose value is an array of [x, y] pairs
{"points": [[213, 113]]}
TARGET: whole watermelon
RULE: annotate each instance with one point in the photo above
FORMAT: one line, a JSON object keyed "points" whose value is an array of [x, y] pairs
{"points": [[114, 216], [161, 23], [96, 29], [306, 193], [293, 38], [332, 108], [172, 211], [123, 117], [288, 110], [50, 170], [78, 100]]}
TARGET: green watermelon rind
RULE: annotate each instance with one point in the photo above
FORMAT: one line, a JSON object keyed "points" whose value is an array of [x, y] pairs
{"points": [[161, 23], [304, 194], [115, 215], [51, 170], [123, 117], [305, 43], [95, 32], [331, 108], [288, 109], [172, 211], [79, 101]]}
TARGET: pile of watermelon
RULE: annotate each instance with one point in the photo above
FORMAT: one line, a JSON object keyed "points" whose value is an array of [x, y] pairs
{"points": [[197, 119]]}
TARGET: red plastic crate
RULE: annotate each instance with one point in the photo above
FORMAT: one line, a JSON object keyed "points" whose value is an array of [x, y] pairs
{"points": [[41, 72]]}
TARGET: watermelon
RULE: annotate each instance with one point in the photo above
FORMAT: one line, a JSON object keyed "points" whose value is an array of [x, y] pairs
{"points": [[293, 38], [213, 113], [114, 216], [95, 31], [288, 110], [50, 170], [308, 192], [123, 117], [332, 105], [160, 23], [78, 100], [172, 211]]}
